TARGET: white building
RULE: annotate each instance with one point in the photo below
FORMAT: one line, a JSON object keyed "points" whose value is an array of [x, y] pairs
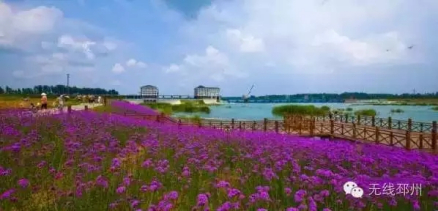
{"points": [[206, 92], [149, 91]]}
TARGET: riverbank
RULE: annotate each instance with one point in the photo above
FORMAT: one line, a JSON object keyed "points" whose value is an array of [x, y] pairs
{"points": [[258, 111]]}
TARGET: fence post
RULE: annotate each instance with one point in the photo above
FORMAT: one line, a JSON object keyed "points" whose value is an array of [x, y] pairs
{"points": [[86, 107], [332, 126], [434, 135], [69, 109], [391, 138], [312, 126], [421, 141], [276, 126], [373, 121], [389, 123], [179, 123], [232, 123], [346, 118], [358, 119], [408, 134], [354, 130], [300, 125], [377, 135], [265, 124], [254, 125], [240, 125]]}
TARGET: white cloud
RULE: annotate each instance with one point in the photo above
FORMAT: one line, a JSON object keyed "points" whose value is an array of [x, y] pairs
{"points": [[84, 45], [135, 63], [17, 28], [213, 64], [141, 65], [118, 68], [246, 43], [131, 63], [172, 68]]}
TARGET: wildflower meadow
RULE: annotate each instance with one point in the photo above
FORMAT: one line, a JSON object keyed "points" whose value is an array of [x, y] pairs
{"points": [[85, 160]]}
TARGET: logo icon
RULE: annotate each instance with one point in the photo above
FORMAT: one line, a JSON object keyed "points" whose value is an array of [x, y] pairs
{"points": [[357, 192], [352, 188]]}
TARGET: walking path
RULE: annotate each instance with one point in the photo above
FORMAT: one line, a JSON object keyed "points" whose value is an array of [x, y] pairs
{"points": [[52, 111]]}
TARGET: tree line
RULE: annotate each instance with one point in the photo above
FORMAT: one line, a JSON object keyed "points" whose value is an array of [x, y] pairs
{"points": [[57, 90], [351, 95]]}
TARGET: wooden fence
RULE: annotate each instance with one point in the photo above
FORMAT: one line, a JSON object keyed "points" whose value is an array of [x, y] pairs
{"points": [[407, 134]]}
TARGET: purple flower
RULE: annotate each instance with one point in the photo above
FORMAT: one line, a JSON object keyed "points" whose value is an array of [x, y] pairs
{"points": [[223, 184], [135, 203], [233, 192], [173, 195], [23, 182], [121, 189], [225, 206], [101, 181], [202, 200], [7, 194]]}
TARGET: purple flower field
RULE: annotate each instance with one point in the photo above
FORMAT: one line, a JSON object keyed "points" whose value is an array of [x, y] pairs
{"points": [[90, 161]]}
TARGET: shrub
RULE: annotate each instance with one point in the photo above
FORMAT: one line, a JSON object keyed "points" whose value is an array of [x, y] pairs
{"points": [[300, 110], [366, 112]]}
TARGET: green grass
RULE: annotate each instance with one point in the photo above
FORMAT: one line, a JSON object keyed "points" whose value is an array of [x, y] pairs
{"points": [[366, 112], [435, 108], [184, 107], [300, 110], [104, 109], [192, 119]]}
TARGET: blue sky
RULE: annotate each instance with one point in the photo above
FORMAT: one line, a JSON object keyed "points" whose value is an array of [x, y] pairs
{"points": [[281, 46]]}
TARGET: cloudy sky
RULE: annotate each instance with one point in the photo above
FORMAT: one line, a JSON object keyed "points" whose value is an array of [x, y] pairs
{"points": [[280, 46]]}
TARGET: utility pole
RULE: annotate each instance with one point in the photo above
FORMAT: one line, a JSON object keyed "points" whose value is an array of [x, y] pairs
{"points": [[68, 83]]}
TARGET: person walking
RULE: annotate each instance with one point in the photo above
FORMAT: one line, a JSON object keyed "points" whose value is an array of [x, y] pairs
{"points": [[43, 101], [61, 103]]}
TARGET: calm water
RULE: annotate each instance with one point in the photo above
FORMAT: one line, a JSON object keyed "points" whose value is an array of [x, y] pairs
{"points": [[258, 111]]}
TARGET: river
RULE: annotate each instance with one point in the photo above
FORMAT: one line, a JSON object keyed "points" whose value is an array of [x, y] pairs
{"points": [[258, 111]]}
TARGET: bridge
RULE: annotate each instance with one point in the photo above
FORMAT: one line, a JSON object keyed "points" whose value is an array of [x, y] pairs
{"points": [[135, 97]]}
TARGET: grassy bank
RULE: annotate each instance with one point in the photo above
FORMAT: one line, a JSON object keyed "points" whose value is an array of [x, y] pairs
{"points": [[184, 107], [318, 111], [300, 109], [435, 108], [408, 102]]}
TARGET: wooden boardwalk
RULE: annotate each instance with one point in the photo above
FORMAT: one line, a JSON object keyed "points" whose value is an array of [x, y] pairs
{"points": [[399, 133]]}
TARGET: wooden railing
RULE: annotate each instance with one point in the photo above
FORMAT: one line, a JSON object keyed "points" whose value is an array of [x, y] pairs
{"points": [[407, 134]]}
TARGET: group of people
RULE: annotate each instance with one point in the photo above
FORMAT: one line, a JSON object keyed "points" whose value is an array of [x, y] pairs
{"points": [[60, 101], [89, 98]]}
